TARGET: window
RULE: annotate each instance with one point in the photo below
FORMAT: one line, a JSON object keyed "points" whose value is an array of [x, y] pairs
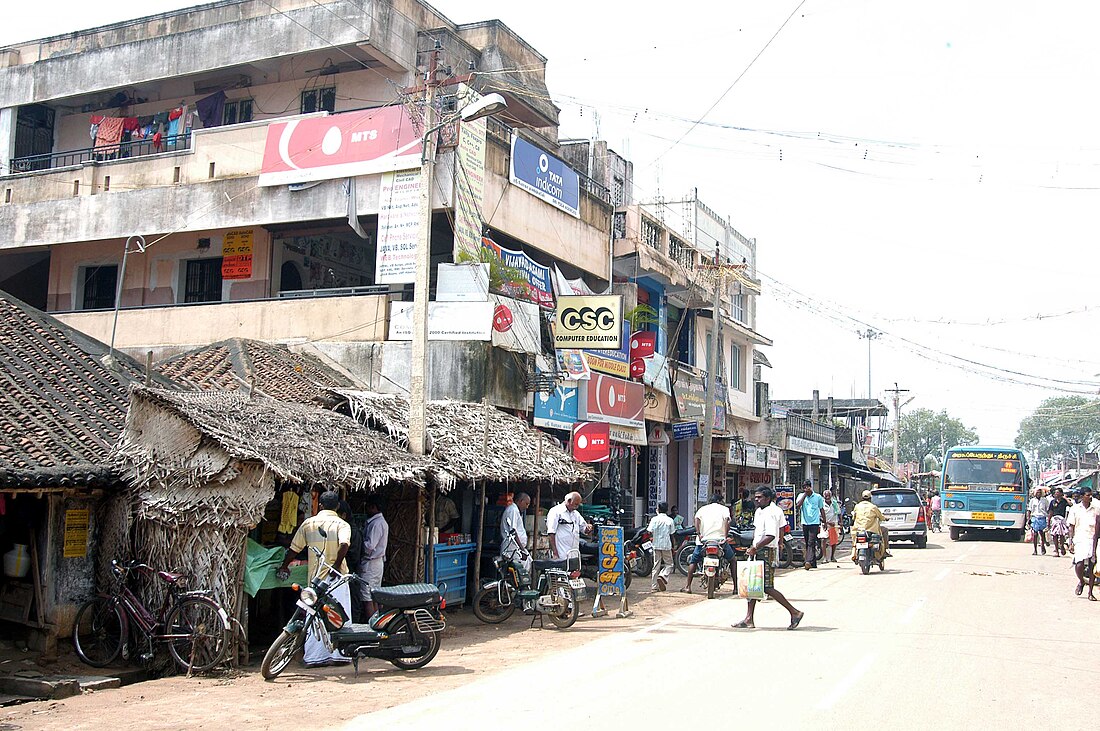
{"points": [[203, 280], [618, 225], [617, 191], [737, 307], [100, 284], [237, 112], [735, 367], [319, 100], [651, 233]]}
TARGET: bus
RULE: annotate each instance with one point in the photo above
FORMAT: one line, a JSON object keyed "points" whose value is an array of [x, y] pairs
{"points": [[984, 489]]}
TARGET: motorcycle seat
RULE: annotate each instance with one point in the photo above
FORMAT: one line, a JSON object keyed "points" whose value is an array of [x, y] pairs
{"points": [[541, 564], [354, 633], [406, 595]]}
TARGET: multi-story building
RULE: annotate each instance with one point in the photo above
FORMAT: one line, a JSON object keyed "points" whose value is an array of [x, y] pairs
{"points": [[257, 147]]}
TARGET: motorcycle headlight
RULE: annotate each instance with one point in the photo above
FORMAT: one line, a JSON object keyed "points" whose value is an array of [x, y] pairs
{"points": [[309, 596]]}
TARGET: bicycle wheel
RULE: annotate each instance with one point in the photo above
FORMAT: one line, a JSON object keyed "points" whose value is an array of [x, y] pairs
{"points": [[98, 632], [197, 637]]}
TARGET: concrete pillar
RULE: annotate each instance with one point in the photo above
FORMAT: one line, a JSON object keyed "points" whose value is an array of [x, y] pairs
{"points": [[8, 117], [662, 325]]}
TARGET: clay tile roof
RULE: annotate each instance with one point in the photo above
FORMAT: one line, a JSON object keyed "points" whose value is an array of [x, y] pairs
{"points": [[231, 365], [61, 408]]}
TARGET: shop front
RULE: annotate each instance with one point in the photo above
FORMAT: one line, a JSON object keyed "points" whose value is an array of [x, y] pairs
{"points": [[749, 466]]}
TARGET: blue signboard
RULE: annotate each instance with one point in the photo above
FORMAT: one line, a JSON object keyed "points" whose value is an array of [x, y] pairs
{"points": [[545, 176], [610, 576], [682, 430], [556, 410]]}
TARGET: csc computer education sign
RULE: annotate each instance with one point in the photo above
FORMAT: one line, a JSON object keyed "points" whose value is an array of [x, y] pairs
{"points": [[589, 322]]}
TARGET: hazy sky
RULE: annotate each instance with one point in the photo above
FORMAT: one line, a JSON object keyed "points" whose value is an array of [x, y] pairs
{"points": [[926, 169]]}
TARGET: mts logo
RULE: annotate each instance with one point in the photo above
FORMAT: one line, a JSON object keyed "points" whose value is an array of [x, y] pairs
{"points": [[365, 135]]}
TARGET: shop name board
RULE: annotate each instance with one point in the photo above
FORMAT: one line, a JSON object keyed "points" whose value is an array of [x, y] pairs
{"points": [[747, 455], [545, 176], [685, 430], [589, 322], [798, 444], [557, 409], [340, 146], [537, 287], [611, 579], [614, 401]]}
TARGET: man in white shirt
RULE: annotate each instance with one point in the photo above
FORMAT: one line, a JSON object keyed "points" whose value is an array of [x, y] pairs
{"points": [[1036, 518], [660, 528], [768, 521], [1084, 530], [712, 523], [376, 539], [565, 524], [515, 547]]}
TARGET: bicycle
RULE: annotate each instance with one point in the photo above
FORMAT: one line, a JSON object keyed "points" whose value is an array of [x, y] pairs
{"points": [[191, 623]]}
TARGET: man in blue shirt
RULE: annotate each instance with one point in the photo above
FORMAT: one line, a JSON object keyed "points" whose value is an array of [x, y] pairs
{"points": [[812, 507]]}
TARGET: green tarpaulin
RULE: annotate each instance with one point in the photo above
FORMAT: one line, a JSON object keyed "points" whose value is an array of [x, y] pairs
{"points": [[262, 563]]}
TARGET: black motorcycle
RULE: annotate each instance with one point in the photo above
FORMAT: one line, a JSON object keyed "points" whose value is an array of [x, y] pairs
{"points": [[867, 545], [553, 595], [406, 631], [639, 552]]}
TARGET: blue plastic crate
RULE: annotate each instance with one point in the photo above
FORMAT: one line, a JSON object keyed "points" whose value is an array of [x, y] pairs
{"points": [[450, 565]]}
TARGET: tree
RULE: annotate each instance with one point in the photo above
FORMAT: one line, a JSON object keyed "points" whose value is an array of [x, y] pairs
{"points": [[923, 433], [1059, 423]]}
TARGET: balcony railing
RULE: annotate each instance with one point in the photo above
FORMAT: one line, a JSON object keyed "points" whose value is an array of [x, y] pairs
{"points": [[799, 426], [122, 151]]}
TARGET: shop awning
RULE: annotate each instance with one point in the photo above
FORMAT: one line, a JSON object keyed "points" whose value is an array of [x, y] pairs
{"points": [[868, 475]]}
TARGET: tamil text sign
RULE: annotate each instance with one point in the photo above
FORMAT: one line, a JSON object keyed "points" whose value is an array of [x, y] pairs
{"points": [[610, 576], [237, 254]]}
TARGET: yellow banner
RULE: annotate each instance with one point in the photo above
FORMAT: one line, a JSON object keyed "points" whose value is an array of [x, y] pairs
{"points": [[76, 534]]}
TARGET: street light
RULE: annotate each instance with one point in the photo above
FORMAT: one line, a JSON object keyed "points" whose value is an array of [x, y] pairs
{"points": [[483, 107]]}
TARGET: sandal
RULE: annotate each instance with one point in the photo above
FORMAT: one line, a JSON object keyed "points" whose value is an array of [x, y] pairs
{"points": [[1080, 588], [796, 620], [1092, 598], [685, 590], [743, 625]]}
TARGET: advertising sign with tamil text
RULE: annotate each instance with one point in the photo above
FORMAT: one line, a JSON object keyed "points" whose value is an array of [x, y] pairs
{"points": [[611, 574], [545, 176], [537, 286], [589, 322], [237, 254]]}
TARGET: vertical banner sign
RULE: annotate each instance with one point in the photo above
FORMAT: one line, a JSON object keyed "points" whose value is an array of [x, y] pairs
{"points": [[784, 498], [611, 561], [469, 182], [76, 534], [658, 477], [398, 227], [237, 254]]}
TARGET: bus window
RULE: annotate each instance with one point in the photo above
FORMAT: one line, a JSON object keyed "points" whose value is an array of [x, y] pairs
{"points": [[983, 472]]}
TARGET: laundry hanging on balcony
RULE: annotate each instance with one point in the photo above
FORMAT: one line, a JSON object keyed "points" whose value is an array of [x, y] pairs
{"points": [[109, 134]]}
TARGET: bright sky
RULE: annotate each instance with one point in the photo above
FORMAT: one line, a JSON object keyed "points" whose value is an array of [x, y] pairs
{"points": [[924, 169]]}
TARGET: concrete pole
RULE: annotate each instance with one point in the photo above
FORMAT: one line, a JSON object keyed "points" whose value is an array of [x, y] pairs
{"points": [[419, 374]]}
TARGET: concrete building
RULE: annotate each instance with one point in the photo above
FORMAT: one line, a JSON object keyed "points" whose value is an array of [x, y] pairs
{"points": [[211, 101]]}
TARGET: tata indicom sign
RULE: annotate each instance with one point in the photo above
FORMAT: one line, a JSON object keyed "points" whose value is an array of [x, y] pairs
{"points": [[545, 176], [589, 322], [340, 146]]}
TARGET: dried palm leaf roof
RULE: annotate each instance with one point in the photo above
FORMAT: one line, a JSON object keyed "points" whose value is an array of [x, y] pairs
{"points": [[239, 364], [62, 406], [457, 434], [297, 442]]}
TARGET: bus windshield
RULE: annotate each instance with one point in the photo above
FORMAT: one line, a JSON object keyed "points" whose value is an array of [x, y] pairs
{"points": [[983, 472]]}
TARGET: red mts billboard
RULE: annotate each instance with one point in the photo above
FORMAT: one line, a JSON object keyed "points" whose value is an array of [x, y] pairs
{"points": [[591, 442], [615, 401], [340, 146]]}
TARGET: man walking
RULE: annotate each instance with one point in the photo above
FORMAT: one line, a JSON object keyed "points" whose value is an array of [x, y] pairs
{"points": [[768, 522], [565, 524], [661, 527], [1036, 517], [812, 508], [331, 535], [1084, 529], [830, 535], [376, 538]]}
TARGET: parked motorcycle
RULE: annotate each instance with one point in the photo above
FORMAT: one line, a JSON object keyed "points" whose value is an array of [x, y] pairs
{"points": [[553, 595], [639, 552], [867, 545], [406, 631], [716, 569]]}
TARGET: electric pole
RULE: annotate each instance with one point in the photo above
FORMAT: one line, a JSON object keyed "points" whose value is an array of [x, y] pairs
{"points": [[869, 335], [897, 416]]}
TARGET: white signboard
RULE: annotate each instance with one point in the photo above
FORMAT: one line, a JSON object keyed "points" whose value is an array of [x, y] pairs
{"points": [[469, 181], [398, 227], [446, 321], [516, 325], [798, 444], [628, 434], [462, 283]]}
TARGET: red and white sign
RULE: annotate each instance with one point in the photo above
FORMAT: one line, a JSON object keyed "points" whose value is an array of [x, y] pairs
{"points": [[642, 344], [340, 146], [614, 401], [591, 442]]}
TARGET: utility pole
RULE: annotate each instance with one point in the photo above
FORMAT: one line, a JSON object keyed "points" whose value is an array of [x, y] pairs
{"points": [[870, 335], [712, 371], [897, 415], [1077, 451], [418, 376]]}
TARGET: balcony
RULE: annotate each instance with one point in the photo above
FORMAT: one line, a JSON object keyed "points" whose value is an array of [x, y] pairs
{"points": [[122, 151]]}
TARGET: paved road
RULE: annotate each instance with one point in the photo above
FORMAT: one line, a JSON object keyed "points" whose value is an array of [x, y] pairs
{"points": [[959, 635]]}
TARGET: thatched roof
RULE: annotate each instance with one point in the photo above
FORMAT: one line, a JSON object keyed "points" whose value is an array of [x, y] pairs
{"points": [[456, 439], [269, 369], [296, 442], [61, 407]]}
